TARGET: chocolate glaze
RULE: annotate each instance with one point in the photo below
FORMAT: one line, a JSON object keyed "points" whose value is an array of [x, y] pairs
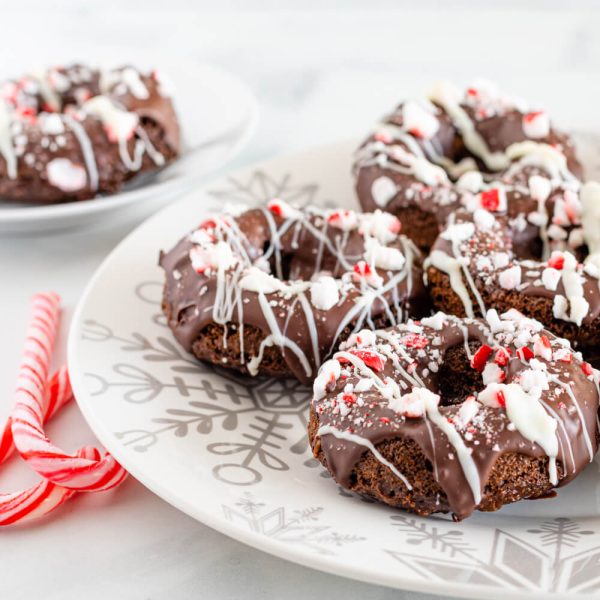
{"points": [[303, 245], [488, 435], [84, 141], [477, 253], [446, 148]]}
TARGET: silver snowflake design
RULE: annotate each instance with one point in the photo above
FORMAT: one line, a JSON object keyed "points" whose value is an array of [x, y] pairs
{"points": [[260, 187], [208, 399], [300, 527], [538, 559]]}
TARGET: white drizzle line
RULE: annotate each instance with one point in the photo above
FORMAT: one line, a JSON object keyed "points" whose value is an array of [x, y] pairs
{"points": [[89, 157], [590, 221], [6, 146], [463, 453], [228, 294], [278, 338], [153, 153], [389, 389], [447, 97], [468, 277], [586, 437], [356, 439], [453, 268], [312, 326], [564, 430], [388, 337]]}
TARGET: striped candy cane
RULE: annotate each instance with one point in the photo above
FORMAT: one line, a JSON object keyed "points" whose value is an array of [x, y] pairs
{"points": [[57, 396], [40, 499], [37, 401]]}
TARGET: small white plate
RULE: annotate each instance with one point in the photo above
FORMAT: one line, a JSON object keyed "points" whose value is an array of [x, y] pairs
{"points": [[232, 452], [218, 115]]}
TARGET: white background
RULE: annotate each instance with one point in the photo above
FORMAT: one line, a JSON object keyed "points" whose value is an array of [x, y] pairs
{"points": [[322, 71]]}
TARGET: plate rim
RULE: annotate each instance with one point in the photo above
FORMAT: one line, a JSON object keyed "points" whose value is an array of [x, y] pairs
{"points": [[217, 522]]}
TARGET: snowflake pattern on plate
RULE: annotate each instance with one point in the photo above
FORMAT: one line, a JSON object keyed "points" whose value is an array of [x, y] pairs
{"points": [[158, 405], [204, 398]]}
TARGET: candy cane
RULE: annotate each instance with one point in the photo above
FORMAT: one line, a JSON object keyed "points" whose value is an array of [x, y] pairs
{"points": [[71, 471], [40, 499], [37, 400], [58, 395]]}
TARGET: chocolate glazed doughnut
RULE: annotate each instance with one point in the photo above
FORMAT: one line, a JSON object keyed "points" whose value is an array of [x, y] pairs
{"points": [[74, 133], [274, 290], [421, 158], [453, 415], [482, 259]]}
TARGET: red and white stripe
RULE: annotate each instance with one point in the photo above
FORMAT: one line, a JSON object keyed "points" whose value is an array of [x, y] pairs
{"points": [[37, 400], [56, 397]]}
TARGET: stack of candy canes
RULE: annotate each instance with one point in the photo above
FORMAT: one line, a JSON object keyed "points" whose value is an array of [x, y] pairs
{"points": [[38, 398]]}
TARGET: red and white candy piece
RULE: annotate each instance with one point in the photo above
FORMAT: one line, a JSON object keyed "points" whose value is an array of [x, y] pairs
{"points": [[329, 373], [39, 499], [383, 226], [371, 358], [510, 278], [480, 357], [284, 210], [414, 340], [556, 260], [365, 337], [536, 124], [419, 121], [414, 404], [542, 348], [493, 200], [346, 220], [364, 272], [66, 175], [492, 373]]}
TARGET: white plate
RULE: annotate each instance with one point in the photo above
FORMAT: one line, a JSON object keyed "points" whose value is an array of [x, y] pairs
{"points": [[218, 115], [232, 452]]}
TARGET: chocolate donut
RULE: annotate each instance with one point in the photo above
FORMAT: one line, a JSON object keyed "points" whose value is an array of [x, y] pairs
{"points": [[72, 133], [455, 414], [333, 272], [422, 157], [482, 260]]}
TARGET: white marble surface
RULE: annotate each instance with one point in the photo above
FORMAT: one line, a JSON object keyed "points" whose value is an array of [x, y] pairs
{"points": [[322, 70]]}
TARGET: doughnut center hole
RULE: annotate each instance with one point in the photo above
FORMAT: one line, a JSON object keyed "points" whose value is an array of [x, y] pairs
{"points": [[456, 378], [527, 244], [285, 262]]}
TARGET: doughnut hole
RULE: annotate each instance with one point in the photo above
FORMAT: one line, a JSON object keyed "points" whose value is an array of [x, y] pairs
{"points": [[456, 378]]}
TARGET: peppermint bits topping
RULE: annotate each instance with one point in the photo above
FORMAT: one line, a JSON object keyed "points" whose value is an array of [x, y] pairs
{"points": [[283, 210], [556, 261], [363, 271], [493, 200], [587, 369], [510, 278], [525, 354], [346, 220], [419, 121], [543, 348], [414, 340], [372, 359], [536, 124], [480, 357]]}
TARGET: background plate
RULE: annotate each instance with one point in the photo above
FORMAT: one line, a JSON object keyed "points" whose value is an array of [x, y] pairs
{"points": [[232, 451], [218, 115]]}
